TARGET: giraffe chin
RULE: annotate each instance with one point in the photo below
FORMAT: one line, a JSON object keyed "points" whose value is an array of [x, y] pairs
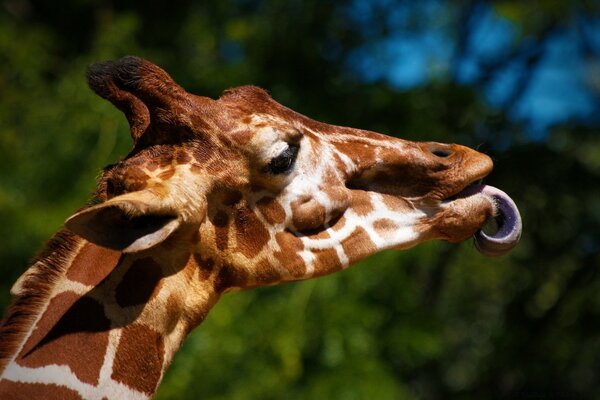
{"points": [[507, 218]]}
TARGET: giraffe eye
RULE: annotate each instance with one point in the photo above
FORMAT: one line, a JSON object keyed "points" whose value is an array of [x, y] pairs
{"points": [[284, 162]]}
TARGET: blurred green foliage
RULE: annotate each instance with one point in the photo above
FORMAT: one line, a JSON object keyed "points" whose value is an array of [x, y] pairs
{"points": [[433, 322]]}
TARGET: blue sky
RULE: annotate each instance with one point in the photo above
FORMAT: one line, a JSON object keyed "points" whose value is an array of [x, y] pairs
{"points": [[420, 46]]}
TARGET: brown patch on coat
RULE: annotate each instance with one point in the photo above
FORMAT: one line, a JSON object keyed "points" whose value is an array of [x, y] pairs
{"points": [[182, 157], [221, 223], [358, 245], [141, 282], [134, 178], [151, 165], [164, 157], [173, 305], [271, 210], [56, 309], [230, 276], [308, 214], [288, 255], [242, 137], [49, 266], [166, 174], [232, 197], [251, 234], [81, 330], [205, 266], [395, 203], [326, 262], [265, 273], [384, 227], [322, 234], [92, 264], [225, 278], [139, 358], [361, 203], [338, 195], [10, 390], [174, 308], [196, 168]]}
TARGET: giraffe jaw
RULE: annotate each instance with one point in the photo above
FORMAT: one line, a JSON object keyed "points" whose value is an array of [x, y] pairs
{"points": [[475, 198]]}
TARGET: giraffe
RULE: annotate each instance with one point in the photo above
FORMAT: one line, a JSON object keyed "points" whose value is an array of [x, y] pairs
{"points": [[215, 196]]}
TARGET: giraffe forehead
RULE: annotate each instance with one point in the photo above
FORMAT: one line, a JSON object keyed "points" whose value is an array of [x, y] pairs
{"points": [[259, 120], [263, 124]]}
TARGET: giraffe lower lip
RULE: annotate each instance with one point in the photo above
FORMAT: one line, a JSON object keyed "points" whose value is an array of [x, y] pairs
{"points": [[507, 217]]}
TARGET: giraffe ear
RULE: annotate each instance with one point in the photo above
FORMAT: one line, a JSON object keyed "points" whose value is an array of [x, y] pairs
{"points": [[129, 223]]}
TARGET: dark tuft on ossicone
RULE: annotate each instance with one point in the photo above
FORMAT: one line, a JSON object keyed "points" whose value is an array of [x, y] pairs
{"points": [[124, 73]]}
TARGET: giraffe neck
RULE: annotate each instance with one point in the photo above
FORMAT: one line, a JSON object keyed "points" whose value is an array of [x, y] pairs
{"points": [[92, 323]]}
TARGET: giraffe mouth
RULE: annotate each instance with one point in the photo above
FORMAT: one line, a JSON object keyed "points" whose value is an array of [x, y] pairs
{"points": [[502, 231]]}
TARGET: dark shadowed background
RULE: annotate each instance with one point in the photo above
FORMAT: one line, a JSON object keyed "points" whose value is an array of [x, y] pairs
{"points": [[519, 80]]}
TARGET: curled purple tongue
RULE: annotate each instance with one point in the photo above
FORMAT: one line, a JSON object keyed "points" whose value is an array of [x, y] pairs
{"points": [[509, 225]]}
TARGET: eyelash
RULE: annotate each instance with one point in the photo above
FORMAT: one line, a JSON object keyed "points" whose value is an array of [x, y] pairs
{"points": [[284, 161]]}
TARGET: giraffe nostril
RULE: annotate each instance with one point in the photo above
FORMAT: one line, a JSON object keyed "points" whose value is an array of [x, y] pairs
{"points": [[439, 150], [442, 153]]}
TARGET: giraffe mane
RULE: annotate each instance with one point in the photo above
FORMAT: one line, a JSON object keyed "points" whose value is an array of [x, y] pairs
{"points": [[48, 266]]}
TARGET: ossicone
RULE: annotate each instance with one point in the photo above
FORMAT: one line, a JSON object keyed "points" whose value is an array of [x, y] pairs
{"points": [[138, 88]]}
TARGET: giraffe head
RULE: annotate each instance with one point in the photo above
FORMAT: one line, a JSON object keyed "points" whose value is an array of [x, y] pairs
{"points": [[265, 194]]}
